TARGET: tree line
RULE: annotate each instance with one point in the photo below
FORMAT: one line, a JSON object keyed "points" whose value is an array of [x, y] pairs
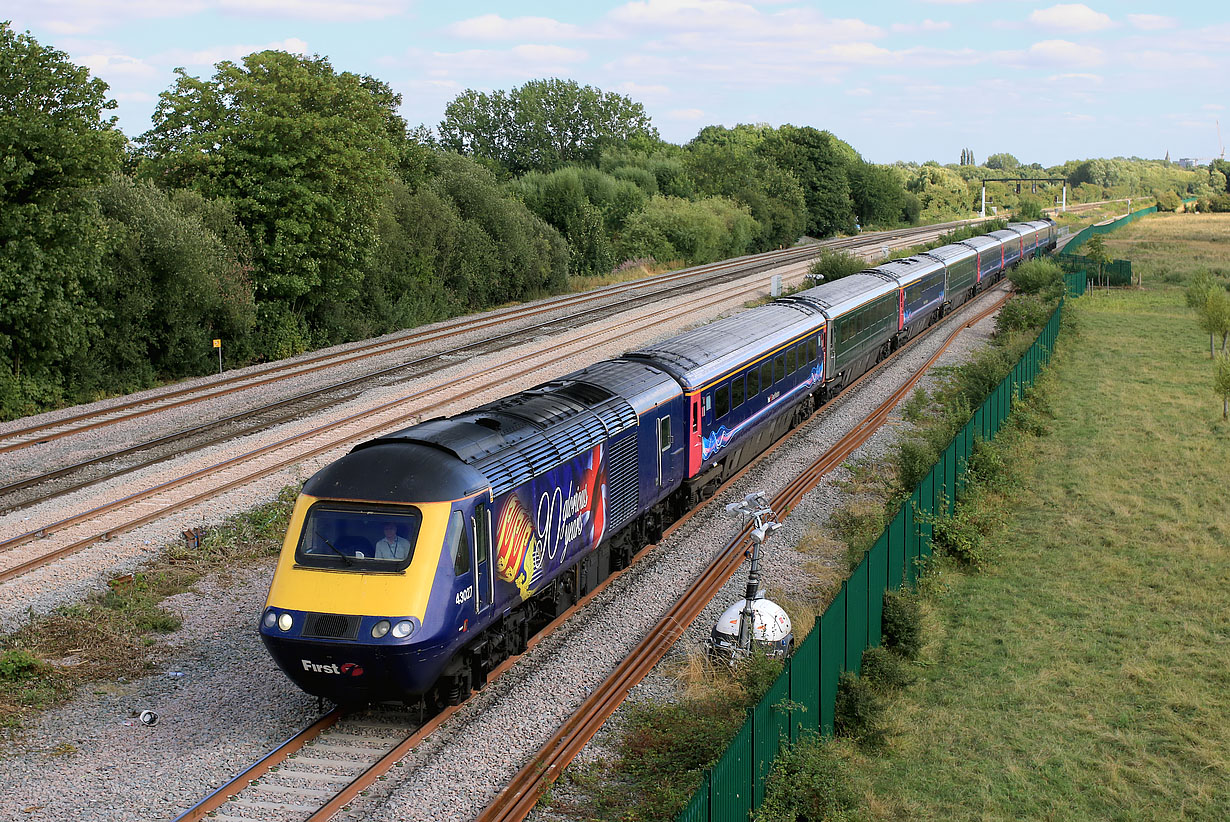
{"points": [[282, 205]]}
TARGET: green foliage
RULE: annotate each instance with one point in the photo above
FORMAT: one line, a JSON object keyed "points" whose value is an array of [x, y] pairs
{"points": [[1023, 312], [942, 193], [915, 408], [744, 173], [54, 146], [811, 782], [833, 265], [543, 125], [1029, 208], [960, 535], [303, 153], [1214, 316], [885, 670], [1041, 277], [171, 285], [879, 197], [1002, 162], [822, 164], [669, 228], [139, 600], [857, 524], [1221, 382], [860, 712], [901, 623], [1167, 200], [18, 663]]}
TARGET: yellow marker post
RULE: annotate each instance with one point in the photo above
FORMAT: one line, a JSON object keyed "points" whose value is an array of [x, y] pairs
{"points": [[218, 345]]}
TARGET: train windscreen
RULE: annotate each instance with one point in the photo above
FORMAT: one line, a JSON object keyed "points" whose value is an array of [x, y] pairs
{"points": [[340, 537]]}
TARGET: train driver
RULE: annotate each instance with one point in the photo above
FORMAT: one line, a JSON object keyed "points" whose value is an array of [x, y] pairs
{"points": [[392, 546]]}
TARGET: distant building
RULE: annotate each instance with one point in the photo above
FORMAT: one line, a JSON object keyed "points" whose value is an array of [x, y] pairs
{"points": [[1192, 162]]}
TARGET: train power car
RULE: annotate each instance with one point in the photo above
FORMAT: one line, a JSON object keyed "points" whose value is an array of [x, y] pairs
{"points": [[419, 561]]}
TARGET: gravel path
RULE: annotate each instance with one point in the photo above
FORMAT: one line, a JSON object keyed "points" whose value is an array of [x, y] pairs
{"points": [[231, 704]]}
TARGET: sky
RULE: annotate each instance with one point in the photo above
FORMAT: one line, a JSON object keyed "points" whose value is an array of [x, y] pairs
{"points": [[911, 80]]}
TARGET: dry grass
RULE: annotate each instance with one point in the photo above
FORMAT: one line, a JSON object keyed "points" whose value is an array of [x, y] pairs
{"points": [[627, 275], [112, 635]]}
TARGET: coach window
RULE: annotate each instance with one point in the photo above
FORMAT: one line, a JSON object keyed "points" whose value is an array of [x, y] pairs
{"points": [[813, 348], [766, 374], [721, 401], [695, 417], [791, 362], [779, 367], [736, 392], [753, 383]]}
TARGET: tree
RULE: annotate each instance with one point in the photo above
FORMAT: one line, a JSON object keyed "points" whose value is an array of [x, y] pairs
{"points": [[739, 170], [54, 146], [1003, 162], [879, 198], [941, 192], [1095, 250], [543, 125], [1221, 383], [671, 229], [1197, 292], [303, 153], [821, 164], [1214, 316]]}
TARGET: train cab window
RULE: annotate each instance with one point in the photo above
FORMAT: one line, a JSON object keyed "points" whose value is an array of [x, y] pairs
{"points": [[721, 401], [779, 367], [791, 362], [457, 545], [736, 392], [766, 375], [343, 537], [813, 348], [753, 382]]}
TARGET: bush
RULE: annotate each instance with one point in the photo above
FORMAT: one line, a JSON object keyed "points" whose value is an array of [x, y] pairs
{"points": [[858, 525], [1022, 313], [902, 623], [859, 712], [809, 781], [17, 664], [959, 536], [833, 265], [886, 670], [1038, 277], [915, 457]]}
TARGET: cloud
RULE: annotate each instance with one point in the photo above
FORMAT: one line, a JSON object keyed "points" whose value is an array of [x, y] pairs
{"points": [[82, 16], [1071, 17], [340, 11], [524, 61], [495, 27], [925, 25], [689, 115], [1213, 107], [110, 66], [740, 22], [1076, 77], [1064, 54], [216, 54], [859, 92], [1152, 22], [638, 91]]}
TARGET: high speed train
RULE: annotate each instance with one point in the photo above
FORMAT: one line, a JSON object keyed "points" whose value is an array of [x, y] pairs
{"points": [[419, 561]]}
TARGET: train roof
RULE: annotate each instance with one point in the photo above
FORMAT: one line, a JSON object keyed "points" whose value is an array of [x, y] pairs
{"points": [[384, 470], [1022, 227], [1005, 234], [983, 242], [910, 269], [514, 438], [951, 252], [839, 296], [703, 354]]}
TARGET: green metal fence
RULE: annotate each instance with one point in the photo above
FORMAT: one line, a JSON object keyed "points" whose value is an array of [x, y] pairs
{"points": [[1116, 272], [1088, 231], [802, 698]]}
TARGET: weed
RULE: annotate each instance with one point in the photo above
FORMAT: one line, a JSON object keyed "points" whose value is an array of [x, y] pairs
{"points": [[860, 712], [959, 535], [885, 669], [809, 781], [17, 663], [901, 623], [915, 408], [858, 524]]}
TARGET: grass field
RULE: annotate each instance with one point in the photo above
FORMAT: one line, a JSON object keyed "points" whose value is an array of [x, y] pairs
{"points": [[1087, 674]]}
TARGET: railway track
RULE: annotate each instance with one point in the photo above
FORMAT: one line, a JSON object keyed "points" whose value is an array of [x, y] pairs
{"points": [[82, 529], [523, 791], [297, 405], [300, 780]]}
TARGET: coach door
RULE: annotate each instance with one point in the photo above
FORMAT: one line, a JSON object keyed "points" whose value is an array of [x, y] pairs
{"points": [[665, 441], [484, 579]]}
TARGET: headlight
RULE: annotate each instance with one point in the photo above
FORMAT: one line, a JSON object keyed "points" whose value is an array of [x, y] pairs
{"points": [[285, 621], [271, 619], [380, 629], [402, 629]]}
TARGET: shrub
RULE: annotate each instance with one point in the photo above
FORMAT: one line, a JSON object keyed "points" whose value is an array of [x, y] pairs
{"points": [[17, 664], [858, 525], [915, 408], [809, 781], [859, 712], [1037, 277], [902, 623], [833, 265], [915, 458], [886, 670], [959, 536], [1022, 313]]}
